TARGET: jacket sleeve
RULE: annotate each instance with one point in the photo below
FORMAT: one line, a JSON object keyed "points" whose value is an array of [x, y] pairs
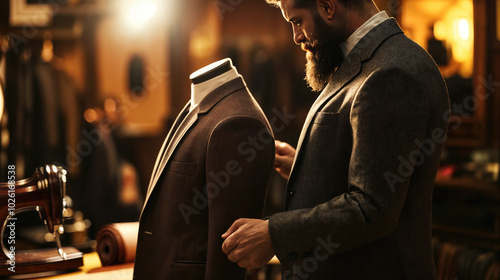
{"points": [[240, 155], [389, 117]]}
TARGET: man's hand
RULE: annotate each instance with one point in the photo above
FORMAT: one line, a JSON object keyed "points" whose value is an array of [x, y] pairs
{"points": [[284, 158], [248, 243]]}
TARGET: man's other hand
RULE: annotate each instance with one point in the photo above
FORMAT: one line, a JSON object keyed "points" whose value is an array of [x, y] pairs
{"points": [[284, 158]]}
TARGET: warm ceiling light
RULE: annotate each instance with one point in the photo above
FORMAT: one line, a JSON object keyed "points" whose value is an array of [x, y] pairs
{"points": [[110, 105], [463, 29], [141, 13], [90, 115]]}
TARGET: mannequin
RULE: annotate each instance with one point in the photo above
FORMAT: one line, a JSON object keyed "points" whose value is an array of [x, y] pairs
{"points": [[212, 169]]}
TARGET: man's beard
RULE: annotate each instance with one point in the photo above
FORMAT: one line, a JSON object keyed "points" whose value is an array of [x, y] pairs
{"points": [[324, 56]]}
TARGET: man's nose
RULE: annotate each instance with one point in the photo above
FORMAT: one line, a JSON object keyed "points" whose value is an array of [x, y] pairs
{"points": [[298, 36]]}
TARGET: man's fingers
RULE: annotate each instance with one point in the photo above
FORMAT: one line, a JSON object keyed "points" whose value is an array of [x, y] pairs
{"points": [[281, 159], [232, 228], [280, 147], [231, 241], [228, 245], [249, 263], [283, 148], [235, 256], [277, 143], [282, 163], [244, 261]]}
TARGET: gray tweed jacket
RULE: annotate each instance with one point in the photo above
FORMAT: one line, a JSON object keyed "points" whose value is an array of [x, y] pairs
{"points": [[359, 195]]}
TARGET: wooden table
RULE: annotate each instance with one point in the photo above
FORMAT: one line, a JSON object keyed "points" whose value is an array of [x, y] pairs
{"points": [[92, 270]]}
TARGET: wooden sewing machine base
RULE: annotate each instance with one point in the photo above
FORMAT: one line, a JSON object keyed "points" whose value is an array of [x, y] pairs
{"points": [[42, 260]]}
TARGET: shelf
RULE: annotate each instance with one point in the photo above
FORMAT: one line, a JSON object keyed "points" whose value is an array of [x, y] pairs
{"points": [[467, 237], [85, 10], [471, 236], [469, 184], [461, 142]]}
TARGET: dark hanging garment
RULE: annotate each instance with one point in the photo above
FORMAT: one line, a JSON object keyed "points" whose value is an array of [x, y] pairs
{"points": [[49, 147], [17, 118], [41, 117]]}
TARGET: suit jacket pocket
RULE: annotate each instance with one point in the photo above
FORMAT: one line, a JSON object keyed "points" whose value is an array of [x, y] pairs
{"points": [[326, 118], [180, 167], [190, 264]]}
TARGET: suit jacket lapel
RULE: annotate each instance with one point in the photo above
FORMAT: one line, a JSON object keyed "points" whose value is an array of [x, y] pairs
{"points": [[169, 147], [175, 135], [170, 134], [181, 131], [347, 71], [344, 74]]}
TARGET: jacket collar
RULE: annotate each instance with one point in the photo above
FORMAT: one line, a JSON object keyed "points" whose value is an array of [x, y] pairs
{"points": [[220, 93]]}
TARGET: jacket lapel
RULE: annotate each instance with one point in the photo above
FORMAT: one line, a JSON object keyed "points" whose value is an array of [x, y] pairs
{"points": [[184, 124], [181, 131], [350, 68], [168, 148], [170, 134], [344, 74]]}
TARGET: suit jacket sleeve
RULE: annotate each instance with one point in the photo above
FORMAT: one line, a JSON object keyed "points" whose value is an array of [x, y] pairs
{"points": [[389, 117], [239, 160]]}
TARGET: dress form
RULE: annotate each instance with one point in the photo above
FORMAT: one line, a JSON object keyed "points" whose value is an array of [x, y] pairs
{"points": [[210, 77], [202, 159]]}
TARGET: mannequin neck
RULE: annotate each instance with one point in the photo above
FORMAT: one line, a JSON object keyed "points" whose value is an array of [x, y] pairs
{"points": [[200, 87]]}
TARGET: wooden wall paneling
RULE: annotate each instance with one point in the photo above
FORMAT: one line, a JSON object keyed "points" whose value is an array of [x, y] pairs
{"points": [[480, 70], [91, 91], [492, 77], [186, 24]]}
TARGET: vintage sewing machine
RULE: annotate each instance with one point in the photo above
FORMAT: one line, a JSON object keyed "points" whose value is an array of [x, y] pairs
{"points": [[43, 192]]}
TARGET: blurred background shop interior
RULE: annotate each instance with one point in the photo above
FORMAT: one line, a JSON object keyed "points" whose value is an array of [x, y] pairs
{"points": [[94, 86]]}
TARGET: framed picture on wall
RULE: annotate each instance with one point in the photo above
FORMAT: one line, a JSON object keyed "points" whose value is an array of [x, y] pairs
{"points": [[32, 13]]}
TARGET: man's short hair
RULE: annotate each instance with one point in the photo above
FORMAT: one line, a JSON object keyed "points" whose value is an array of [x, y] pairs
{"points": [[308, 3], [296, 3]]}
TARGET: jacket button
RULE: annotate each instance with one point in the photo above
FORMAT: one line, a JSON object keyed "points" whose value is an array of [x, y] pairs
{"points": [[292, 257], [291, 192]]}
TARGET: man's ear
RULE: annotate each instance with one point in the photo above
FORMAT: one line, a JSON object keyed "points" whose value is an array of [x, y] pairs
{"points": [[326, 8]]}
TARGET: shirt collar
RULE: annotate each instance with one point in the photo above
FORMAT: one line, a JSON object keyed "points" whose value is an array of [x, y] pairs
{"points": [[362, 31], [201, 90]]}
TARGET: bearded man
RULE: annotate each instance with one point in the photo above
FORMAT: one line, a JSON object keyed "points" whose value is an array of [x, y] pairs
{"points": [[358, 201]]}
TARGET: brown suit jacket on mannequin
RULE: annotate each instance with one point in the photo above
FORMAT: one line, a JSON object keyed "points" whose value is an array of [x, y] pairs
{"points": [[212, 169], [360, 191]]}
